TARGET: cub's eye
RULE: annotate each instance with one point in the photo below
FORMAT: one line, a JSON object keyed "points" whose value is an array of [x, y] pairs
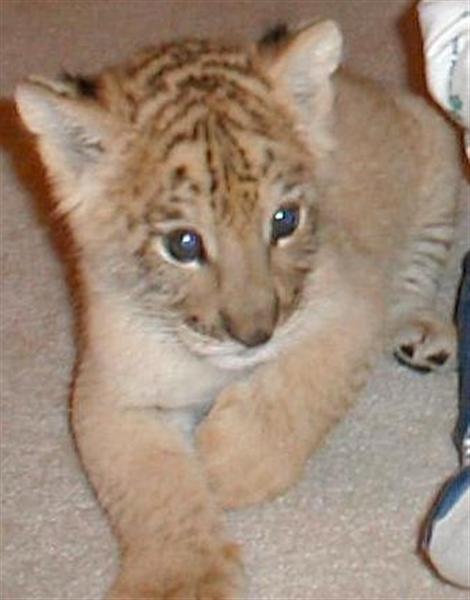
{"points": [[284, 222], [184, 245]]}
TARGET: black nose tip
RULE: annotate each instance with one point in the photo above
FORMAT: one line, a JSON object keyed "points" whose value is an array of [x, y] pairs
{"points": [[250, 338], [257, 338]]}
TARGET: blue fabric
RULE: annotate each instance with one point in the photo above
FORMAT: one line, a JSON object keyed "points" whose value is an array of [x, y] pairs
{"points": [[451, 494], [462, 432], [458, 484]]}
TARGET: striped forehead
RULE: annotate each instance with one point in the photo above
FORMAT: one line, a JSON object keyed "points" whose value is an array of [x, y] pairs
{"points": [[209, 116], [222, 176], [216, 168], [206, 103]]}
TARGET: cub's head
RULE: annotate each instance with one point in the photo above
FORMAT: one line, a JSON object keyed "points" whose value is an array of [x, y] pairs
{"points": [[188, 178]]}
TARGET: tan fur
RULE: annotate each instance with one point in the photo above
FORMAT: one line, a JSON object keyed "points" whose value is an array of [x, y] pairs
{"points": [[272, 340]]}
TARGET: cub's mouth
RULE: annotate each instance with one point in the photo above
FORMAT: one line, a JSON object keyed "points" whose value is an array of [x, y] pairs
{"points": [[225, 351]]}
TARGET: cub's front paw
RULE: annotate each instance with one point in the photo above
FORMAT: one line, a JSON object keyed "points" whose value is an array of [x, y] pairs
{"points": [[246, 455], [220, 579], [426, 343]]}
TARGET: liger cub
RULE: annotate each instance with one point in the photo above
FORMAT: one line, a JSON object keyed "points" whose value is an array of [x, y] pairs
{"points": [[254, 224]]}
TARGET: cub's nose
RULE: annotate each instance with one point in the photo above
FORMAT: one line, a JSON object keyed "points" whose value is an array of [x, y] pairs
{"points": [[258, 337], [248, 336]]}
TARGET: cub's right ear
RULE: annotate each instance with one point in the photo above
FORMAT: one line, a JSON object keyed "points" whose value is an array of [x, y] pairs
{"points": [[74, 130]]}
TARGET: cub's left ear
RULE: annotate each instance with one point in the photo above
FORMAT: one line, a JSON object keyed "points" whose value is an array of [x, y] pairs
{"points": [[301, 68], [73, 128]]}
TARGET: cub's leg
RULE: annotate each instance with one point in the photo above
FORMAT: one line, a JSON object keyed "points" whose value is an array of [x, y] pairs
{"points": [[421, 337], [257, 438], [171, 542]]}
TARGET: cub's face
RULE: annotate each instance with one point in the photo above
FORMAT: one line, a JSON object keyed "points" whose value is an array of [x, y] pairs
{"points": [[226, 236], [189, 184]]}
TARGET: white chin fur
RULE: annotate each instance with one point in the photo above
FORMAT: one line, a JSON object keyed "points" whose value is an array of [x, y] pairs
{"points": [[232, 356], [228, 354]]}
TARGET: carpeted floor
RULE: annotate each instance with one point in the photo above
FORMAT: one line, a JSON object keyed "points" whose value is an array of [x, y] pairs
{"points": [[349, 530]]}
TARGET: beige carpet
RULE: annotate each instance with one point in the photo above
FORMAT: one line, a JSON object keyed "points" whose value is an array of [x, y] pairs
{"points": [[349, 530]]}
